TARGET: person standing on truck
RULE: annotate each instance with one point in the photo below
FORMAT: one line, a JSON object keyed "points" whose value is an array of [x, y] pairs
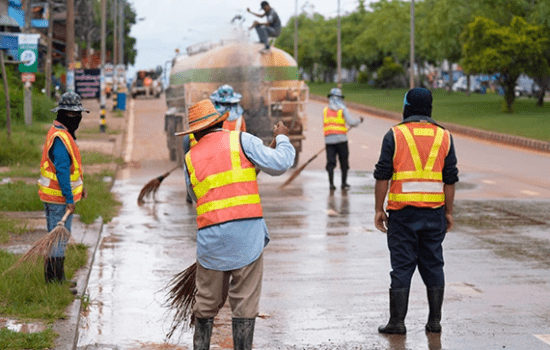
{"points": [[418, 164], [61, 180], [221, 177], [227, 100], [271, 28], [335, 118]]}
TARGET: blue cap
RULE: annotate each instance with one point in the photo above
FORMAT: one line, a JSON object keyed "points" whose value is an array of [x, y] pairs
{"points": [[225, 94]]}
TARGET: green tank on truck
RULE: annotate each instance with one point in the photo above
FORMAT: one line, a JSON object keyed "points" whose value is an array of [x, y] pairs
{"points": [[269, 84]]}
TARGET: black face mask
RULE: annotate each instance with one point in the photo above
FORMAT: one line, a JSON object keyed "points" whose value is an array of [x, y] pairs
{"points": [[71, 123]]}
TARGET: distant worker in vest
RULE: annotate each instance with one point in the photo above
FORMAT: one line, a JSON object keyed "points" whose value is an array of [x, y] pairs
{"points": [[335, 118], [221, 177], [418, 165], [61, 178], [265, 30]]}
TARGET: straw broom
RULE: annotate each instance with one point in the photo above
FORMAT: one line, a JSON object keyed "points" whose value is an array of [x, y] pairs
{"points": [[44, 246], [151, 188]]}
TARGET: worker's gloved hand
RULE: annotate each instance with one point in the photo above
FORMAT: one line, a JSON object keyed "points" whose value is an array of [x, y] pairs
{"points": [[280, 129]]}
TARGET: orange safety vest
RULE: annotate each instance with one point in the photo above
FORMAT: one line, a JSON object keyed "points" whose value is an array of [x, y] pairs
{"points": [[223, 180], [235, 125], [48, 185], [419, 157], [334, 122]]}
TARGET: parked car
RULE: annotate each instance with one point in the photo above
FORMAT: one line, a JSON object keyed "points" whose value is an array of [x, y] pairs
{"points": [[526, 86], [148, 83], [475, 84]]}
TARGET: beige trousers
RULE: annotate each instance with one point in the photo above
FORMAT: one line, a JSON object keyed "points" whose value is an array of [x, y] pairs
{"points": [[242, 286]]}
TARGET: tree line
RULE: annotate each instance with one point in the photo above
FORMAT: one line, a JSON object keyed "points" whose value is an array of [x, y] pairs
{"points": [[504, 38]]}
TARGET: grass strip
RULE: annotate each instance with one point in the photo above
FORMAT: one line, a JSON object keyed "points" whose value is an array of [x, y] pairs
{"points": [[11, 225], [478, 111], [15, 340], [25, 294]]}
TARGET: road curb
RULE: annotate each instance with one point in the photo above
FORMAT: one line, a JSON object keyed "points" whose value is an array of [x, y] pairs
{"points": [[510, 140], [68, 328]]}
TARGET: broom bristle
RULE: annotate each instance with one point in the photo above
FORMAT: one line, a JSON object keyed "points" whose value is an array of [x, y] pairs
{"points": [[149, 189], [44, 246], [181, 299]]}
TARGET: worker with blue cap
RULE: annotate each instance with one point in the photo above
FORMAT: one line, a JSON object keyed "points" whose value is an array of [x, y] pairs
{"points": [[418, 165], [225, 99]]}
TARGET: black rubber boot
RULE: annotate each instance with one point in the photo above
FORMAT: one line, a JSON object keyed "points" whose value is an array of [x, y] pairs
{"points": [[399, 303], [435, 301], [243, 333], [331, 179], [203, 332], [345, 185], [49, 269]]}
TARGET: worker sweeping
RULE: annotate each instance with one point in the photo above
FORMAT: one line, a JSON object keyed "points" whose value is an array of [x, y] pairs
{"points": [[221, 177], [335, 118], [61, 179]]}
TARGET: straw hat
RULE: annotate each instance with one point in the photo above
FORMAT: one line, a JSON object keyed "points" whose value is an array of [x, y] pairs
{"points": [[202, 115]]}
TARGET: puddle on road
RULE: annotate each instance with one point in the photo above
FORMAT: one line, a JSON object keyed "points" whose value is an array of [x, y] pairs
{"points": [[514, 229], [20, 327]]}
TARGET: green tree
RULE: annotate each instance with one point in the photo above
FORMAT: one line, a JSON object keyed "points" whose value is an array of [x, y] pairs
{"points": [[507, 50]]}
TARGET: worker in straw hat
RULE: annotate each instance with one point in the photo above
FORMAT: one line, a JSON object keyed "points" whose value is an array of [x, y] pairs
{"points": [[61, 181], [221, 177], [335, 118], [225, 99]]}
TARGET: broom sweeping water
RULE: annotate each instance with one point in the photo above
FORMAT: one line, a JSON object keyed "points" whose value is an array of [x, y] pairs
{"points": [[151, 188]]}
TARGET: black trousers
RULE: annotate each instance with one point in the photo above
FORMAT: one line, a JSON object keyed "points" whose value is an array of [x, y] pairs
{"points": [[414, 237], [338, 149]]}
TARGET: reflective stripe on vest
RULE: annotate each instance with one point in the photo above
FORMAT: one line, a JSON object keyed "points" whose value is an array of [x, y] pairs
{"points": [[223, 180], [420, 151], [334, 122], [48, 185], [192, 140]]}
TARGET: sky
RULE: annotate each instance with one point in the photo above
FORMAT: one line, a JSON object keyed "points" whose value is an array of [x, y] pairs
{"points": [[169, 24]]}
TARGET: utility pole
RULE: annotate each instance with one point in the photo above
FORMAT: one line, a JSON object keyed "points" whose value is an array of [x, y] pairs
{"points": [[27, 92], [296, 33], [7, 93], [115, 54], [121, 31], [50, 49], [411, 83], [69, 50], [339, 50], [102, 122]]}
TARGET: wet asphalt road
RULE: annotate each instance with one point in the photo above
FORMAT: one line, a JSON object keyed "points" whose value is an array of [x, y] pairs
{"points": [[327, 269]]}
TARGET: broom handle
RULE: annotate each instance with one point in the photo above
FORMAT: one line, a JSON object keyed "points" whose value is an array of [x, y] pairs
{"points": [[65, 217]]}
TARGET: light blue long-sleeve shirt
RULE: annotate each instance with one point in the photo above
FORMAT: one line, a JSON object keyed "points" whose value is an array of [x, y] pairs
{"points": [[235, 244]]}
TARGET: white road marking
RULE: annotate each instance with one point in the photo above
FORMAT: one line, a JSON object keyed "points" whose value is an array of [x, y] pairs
{"points": [[130, 135], [530, 193], [544, 337], [364, 146], [491, 182]]}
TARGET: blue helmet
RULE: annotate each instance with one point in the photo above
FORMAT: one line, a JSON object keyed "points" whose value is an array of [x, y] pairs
{"points": [[335, 92], [225, 94]]}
